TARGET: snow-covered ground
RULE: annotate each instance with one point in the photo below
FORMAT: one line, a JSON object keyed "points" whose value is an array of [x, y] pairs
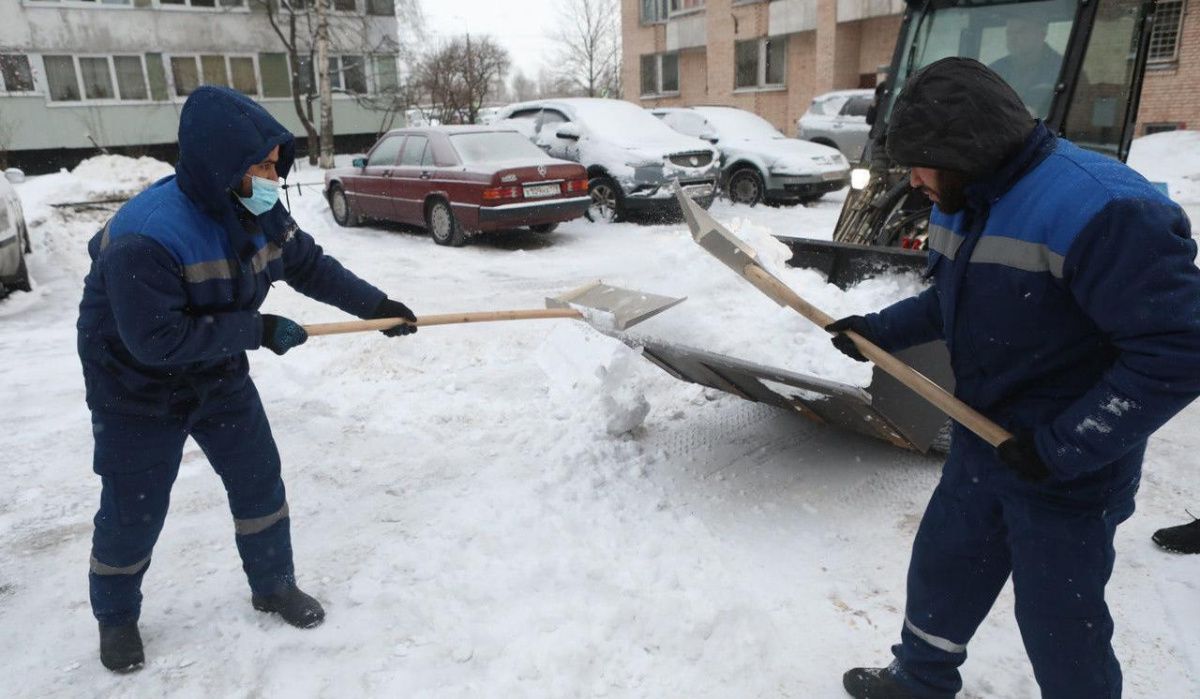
{"points": [[462, 506]]}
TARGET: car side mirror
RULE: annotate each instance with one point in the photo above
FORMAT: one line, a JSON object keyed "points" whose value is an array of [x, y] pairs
{"points": [[359, 162], [872, 111], [14, 175], [568, 132]]}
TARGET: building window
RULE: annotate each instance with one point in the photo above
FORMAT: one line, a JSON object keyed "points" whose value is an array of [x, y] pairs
{"points": [[660, 74], [205, 4], [15, 74], [85, 78], [92, 3], [381, 8], [387, 79], [686, 5], [655, 11], [276, 78], [190, 72], [1164, 37], [347, 74], [759, 63]]}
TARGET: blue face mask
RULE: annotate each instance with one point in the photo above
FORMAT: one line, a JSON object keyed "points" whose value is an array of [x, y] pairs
{"points": [[264, 194]]}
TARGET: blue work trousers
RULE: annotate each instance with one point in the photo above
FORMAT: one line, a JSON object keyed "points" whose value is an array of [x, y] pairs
{"points": [[1056, 540], [137, 459]]}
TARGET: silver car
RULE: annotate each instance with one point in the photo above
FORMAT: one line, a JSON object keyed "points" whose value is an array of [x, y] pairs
{"points": [[14, 238], [839, 120], [758, 163]]}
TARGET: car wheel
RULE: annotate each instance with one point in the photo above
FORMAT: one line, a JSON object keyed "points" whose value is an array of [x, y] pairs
{"points": [[745, 187], [22, 283], [442, 225], [606, 200], [339, 204], [543, 227]]}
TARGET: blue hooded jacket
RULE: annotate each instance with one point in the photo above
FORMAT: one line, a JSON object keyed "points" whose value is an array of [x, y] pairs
{"points": [[1067, 292], [170, 304]]}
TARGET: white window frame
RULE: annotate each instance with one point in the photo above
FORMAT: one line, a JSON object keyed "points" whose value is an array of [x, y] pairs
{"points": [[760, 83], [33, 76], [373, 86], [80, 4], [675, 9], [658, 75], [340, 89], [1173, 59], [176, 97], [112, 74], [186, 6]]}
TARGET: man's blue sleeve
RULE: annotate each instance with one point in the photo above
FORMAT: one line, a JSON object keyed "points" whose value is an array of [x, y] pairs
{"points": [[145, 286], [307, 269], [1132, 270], [908, 323]]}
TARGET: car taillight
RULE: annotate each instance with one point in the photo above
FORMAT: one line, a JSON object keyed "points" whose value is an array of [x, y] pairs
{"points": [[575, 186], [501, 193]]}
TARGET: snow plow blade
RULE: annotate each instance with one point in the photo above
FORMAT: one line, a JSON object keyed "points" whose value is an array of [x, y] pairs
{"points": [[885, 410], [846, 264]]}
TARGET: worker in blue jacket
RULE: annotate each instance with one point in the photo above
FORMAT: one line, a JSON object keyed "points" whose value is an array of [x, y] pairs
{"points": [[1065, 289], [170, 307]]}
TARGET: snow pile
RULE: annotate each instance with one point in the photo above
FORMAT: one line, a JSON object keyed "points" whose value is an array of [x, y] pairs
{"points": [[101, 177], [1172, 157], [594, 378]]}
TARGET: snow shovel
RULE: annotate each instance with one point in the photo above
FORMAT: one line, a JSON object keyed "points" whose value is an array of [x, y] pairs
{"points": [[607, 308], [727, 248]]}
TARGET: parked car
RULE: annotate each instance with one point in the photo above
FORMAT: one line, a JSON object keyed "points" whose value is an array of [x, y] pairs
{"points": [[14, 237], [457, 181], [758, 163], [631, 157], [838, 119]]}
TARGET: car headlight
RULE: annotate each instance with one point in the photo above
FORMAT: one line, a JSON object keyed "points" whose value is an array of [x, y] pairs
{"points": [[859, 178]]}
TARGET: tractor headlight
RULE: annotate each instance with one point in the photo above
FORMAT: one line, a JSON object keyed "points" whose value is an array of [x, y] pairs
{"points": [[859, 178]]}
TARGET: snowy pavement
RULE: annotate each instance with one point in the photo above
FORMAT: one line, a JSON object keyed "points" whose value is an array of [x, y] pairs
{"points": [[473, 527]]}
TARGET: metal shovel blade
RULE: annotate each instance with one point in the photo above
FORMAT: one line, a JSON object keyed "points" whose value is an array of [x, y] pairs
{"points": [[717, 240], [611, 307]]}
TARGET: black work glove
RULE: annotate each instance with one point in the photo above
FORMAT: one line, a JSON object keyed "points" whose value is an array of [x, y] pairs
{"points": [[1021, 455], [388, 308], [280, 334], [856, 323]]}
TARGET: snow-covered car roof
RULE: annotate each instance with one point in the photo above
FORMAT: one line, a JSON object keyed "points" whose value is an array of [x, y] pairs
{"points": [[614, 120]]}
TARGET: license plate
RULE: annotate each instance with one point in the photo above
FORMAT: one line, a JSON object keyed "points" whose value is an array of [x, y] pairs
{"points": [[698, 190], [832, 176], [533, 191]]}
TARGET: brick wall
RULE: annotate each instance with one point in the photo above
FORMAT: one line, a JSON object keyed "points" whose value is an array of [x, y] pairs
{"points": [[1173, 94]]}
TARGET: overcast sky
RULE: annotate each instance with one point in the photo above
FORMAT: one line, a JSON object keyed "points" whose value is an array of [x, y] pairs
{"points": [[521, 26]]}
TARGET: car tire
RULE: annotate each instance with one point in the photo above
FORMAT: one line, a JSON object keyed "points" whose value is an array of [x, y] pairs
{"points": [[745, 187], [608, 204], [339, 205], [543, 228], [22, 283], [443, 226]]}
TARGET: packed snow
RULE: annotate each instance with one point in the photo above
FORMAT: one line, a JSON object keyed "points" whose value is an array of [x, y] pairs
{"points": [[523, 508]]}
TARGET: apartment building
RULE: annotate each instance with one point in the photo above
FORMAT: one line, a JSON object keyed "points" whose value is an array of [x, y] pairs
{"points": [[773, 56], [77, 76]]}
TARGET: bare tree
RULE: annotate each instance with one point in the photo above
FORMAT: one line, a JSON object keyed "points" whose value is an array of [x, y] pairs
{"points": [[521, 88], [297, 24], [458, 77], [589, 40]]}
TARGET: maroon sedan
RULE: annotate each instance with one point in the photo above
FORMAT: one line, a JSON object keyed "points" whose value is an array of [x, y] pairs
{"points": [[457, 181]]}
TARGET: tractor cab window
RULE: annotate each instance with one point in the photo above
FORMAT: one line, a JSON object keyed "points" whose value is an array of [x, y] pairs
{"points": [[1022, 41]]}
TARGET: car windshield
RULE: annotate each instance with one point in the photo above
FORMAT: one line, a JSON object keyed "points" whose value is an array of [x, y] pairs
{"points": [[740, 125], [487, 146], [622, 122]]}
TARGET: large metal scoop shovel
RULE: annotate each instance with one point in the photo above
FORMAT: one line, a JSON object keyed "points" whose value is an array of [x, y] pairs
{"points": [[727, 248], [607, 308]]}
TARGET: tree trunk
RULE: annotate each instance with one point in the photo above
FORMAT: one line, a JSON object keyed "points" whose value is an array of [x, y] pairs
{"points": [[326, 160]]}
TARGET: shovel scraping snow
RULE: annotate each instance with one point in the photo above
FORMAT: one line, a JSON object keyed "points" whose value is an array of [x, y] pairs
{"points": [[726, 247], [607, 308]]}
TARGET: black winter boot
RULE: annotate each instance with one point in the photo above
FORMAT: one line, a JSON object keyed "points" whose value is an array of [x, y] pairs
{"points": [[296, 608], [121, 648], [1184, 538], [874, 683]]}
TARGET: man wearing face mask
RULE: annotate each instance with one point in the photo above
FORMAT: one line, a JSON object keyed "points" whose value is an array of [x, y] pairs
{"points": [[169, 310], [1065, 289]]}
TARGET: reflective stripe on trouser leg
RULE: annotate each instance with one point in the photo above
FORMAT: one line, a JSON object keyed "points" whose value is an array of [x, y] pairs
{"points": [[959, 564], [137, 459], [234, 433]]}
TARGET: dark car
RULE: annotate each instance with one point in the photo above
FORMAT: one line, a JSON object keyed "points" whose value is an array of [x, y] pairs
{"points": [[457, 181]]}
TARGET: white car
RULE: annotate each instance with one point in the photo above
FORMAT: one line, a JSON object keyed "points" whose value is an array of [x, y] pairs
{"points": [[14, 237], [758, 163], [631, 157], [838, 119]]}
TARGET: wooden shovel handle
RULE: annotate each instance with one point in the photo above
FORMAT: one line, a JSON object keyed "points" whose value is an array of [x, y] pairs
{"points": [[966, 415], [356, 326]]}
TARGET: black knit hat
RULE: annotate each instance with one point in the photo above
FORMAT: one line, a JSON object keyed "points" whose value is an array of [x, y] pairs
{"points": [[958, 114]]}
